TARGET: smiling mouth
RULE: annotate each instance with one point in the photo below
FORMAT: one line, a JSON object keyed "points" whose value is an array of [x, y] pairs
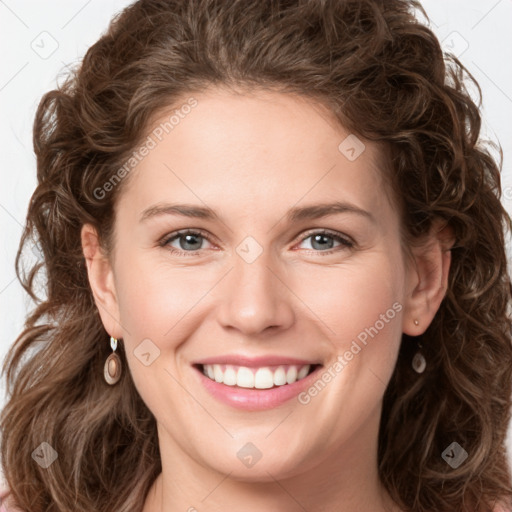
{"points": [[265, 377]]}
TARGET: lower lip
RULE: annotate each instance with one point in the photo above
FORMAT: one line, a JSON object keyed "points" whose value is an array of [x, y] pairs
{"points": [[256, 399]]}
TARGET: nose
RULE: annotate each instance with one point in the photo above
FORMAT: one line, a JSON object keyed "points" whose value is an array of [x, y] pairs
{"points": [[255, 297]]}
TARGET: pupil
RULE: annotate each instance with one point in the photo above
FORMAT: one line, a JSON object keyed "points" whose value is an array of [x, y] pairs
{"points": [[318, 238], [187, 237]]}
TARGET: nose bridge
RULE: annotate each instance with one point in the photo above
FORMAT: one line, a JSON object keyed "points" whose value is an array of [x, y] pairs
{"points": [[255, 296]]}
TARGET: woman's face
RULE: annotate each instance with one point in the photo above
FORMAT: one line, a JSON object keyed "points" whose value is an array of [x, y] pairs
{"points": [[258, 293]]}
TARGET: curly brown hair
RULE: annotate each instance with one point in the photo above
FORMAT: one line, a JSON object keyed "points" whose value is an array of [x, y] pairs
{"points": [[384, 76]]}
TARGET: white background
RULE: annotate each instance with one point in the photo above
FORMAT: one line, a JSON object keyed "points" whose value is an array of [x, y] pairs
{"points": [[478, 31]]}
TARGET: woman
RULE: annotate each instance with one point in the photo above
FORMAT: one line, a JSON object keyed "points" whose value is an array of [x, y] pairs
{"points": [[336, 335]]}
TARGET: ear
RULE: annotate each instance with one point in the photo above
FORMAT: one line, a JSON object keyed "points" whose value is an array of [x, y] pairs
{"points": [[427, 277], [101, 279]]}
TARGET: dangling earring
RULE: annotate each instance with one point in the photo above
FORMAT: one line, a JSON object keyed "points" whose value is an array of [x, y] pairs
{"points": [[419, 362], [112, 369]]}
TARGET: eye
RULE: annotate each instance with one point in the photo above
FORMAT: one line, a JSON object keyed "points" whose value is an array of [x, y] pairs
{"points": [[189, 242], [320, 240]]}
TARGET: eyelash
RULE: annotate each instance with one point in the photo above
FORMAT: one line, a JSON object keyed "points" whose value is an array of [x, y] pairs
{"points": [[345, 242]]}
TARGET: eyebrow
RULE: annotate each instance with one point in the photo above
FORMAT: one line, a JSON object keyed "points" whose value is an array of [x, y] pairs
{"points": [[295, 214]]}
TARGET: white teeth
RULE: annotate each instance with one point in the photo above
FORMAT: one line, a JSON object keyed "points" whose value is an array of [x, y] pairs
{"points": [[230, 377], [259, 378], [217, 373], [263, 379], [245, 378], [302, 372], [291, 375], [280, 377]]}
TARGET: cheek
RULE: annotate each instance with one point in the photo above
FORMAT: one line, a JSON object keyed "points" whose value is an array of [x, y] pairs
{"points": [[152, 295], [360, 311], [352, 298], [153, 306]]}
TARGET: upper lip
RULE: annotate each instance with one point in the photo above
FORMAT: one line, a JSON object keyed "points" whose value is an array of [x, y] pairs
{"points": [[252, 362]]}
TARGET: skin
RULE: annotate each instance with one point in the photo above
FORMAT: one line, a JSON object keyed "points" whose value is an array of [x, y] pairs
{"points": [[252, 157]]}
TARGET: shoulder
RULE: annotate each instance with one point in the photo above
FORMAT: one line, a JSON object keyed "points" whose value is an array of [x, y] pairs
{"points": [[5, 502]]}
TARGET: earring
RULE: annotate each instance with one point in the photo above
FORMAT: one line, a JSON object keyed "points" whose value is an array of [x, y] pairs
{"points": [[419, 363], [112, 369]]}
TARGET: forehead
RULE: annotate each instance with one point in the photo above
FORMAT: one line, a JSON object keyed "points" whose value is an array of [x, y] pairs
{"points": [[250, 153]]}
